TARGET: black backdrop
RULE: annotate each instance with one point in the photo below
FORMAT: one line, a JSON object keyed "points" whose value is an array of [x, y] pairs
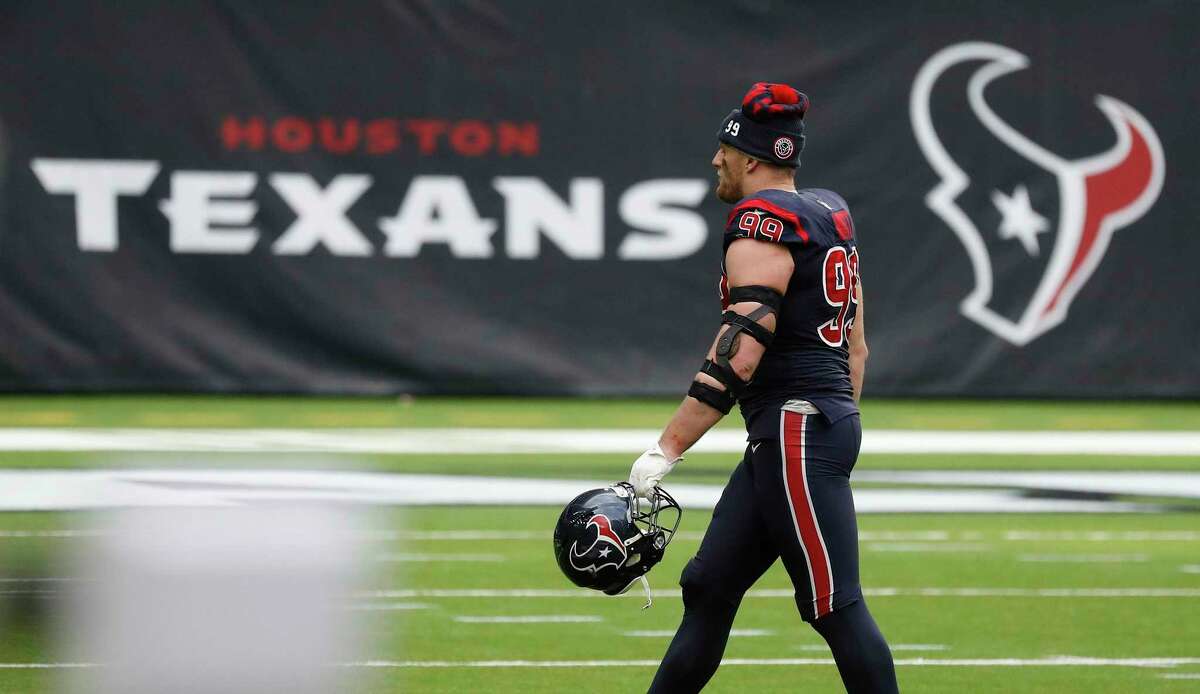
{"points": [[527, 195]]}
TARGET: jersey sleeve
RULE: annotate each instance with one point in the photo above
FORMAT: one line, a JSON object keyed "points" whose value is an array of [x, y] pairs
{"points": [[756, 218]]}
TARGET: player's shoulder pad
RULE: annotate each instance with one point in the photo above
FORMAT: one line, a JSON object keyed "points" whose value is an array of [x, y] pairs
{"points": [[835, 210], [758, 217]]}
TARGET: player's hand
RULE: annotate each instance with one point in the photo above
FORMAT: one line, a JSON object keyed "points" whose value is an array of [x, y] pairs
{"points": [[649, 469]]}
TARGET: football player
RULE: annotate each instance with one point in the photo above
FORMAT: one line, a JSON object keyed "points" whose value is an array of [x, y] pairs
{"points": [[791, 352]]}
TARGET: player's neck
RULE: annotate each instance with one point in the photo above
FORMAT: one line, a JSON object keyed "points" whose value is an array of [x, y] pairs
{"points": [[756, 188]]}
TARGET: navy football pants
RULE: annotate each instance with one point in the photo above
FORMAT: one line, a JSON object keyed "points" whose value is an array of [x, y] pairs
{"points": [[790, 499]]}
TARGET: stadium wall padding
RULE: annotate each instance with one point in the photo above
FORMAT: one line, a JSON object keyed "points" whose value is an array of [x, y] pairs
{"points": [[427, 197]]}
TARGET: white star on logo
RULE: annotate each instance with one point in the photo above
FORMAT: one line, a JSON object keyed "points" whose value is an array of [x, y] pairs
{"points": [[1020, 221], [604, 552]]}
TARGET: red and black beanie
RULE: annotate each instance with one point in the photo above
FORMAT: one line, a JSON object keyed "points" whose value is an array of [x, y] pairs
{"points": [[769, 125]]}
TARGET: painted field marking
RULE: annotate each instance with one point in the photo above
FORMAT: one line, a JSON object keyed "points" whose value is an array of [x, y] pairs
{"points": [[1190, 568], [789, 593], [529, 619], [904, 536], [48, 533], [463, 535], [405, 557], [480, 535], [1051, 661], [668, 633], [922, 547], [1103, 535], [1084, 558], [1181, 676], [863, 536], [529, 441], [389, 606], [1041, 592], [45, 666], [893, 646], [491, 535], [47, 490]]}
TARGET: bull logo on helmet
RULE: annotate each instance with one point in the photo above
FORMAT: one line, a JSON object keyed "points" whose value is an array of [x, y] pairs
{"points": [[605, 551], [1096, 196]]}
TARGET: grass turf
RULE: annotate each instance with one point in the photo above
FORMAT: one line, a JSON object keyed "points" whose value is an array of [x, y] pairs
{"points": [[904, 552], [898, 551]]}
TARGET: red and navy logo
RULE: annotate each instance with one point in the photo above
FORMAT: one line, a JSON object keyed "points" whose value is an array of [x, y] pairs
{"points": [[1053, 216], [605, 551], [785, 148]]}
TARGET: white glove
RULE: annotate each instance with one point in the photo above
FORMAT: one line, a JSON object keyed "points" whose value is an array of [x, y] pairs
{"points": [[649, 469]]}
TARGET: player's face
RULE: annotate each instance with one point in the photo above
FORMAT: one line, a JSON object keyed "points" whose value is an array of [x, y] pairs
{"points": [[731, 168]]}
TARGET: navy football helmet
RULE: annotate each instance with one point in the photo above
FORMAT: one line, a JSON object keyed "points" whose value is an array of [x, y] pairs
{"points": [[606, 539]]}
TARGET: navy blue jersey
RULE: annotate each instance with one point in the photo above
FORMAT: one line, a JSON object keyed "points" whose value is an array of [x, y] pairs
{"points": [[809, 356]]}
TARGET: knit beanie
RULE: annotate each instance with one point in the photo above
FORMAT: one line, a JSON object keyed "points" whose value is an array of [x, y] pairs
{"points": [[769, 125]]}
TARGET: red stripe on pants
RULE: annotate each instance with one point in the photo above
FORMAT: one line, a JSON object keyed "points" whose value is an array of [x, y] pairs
{"points": [[808, 531]]}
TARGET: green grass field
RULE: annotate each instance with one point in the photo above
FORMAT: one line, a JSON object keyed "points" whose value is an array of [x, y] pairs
{"points": [[1015, 588]]}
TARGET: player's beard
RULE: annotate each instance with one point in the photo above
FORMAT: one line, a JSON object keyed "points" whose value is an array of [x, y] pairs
{"points": [[728, 190]]}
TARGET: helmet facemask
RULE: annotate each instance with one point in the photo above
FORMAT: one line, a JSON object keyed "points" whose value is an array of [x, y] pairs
{"points": [[655, 534]]}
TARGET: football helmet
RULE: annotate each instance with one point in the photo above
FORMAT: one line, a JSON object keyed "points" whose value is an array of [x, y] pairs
{"points": [[606, 539]]}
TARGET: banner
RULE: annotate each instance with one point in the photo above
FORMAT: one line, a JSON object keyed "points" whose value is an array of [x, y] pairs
{"points": [[425, 197]]}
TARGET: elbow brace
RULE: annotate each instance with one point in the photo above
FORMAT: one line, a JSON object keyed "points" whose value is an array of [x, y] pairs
{"points": [[727, 346]]}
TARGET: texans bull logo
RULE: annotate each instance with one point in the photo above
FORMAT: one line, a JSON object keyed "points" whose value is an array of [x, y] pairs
{"points": [[605, 551], [1096, 196]]}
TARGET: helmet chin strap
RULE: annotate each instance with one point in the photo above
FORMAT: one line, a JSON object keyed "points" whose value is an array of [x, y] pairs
{"points": [[646, 585]]}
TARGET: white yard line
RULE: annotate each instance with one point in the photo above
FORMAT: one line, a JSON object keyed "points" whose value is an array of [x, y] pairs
{"points": [[1181, 676], [45, 666], [405, 594], [1084, 558], [863, 536], [48, 490], [923, 547], [991, 592], [668, 633], [1190, 568], [466, 535], [1103, 535], [1039, 592], [529, 619], [1167, 484], [1050, 661], [402, 557], [526, 441], [904, 536], [388, 606], [47, 533], [824, 648], [544, 535]]}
